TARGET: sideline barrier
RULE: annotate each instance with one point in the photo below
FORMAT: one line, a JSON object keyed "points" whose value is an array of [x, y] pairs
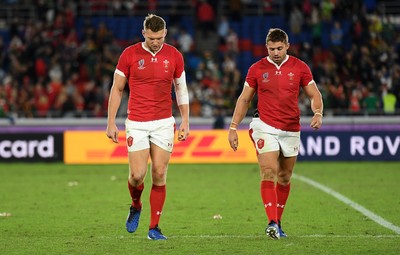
{"points": [[205, 146], [350, 146], [211, 146], [84, 142], [31, 147]]}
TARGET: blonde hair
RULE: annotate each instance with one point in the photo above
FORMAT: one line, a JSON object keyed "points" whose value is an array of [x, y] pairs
{"points": [[154, 23]]}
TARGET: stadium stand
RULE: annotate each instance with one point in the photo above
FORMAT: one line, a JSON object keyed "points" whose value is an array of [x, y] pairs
{"points": [[57, 57]]}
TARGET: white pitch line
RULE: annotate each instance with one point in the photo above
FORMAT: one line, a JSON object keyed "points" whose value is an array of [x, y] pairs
{"points": [[378, 219], [302, 236], [259, 236]]}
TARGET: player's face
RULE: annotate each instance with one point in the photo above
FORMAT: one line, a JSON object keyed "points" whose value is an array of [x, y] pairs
{"points": [[277, 51], [154, 40]]}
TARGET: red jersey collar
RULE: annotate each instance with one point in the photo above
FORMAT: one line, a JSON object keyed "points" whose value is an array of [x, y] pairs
{"points": [[144, 47], [272, 62]]}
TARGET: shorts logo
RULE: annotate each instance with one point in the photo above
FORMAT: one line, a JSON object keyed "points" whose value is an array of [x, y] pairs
{"points": [[260, 143], [129, 141]]}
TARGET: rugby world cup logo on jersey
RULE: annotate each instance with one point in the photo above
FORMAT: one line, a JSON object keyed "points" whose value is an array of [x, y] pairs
{"points": [[265, 77], [141, 64]]}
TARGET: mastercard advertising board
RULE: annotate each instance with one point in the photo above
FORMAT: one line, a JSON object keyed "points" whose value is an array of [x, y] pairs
{"points": [[202, 146]]}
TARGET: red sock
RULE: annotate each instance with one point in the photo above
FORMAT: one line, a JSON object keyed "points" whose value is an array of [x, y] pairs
{"points": [[268, 195], [157, 199], [136, 193], [282, 193]]}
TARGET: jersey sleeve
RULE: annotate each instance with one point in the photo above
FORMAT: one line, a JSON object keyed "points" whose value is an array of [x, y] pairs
{"points": [[306, 75], [179, 64], [123, 64], [251, 78]]}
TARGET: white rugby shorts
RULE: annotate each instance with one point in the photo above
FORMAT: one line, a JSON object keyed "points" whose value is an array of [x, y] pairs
{"points": [[139, 135], [267, 138]]}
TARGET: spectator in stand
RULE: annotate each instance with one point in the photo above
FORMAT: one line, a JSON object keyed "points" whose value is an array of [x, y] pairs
{"points": [[307, 8], [236, 10], [232, 43], [326, 9], [185, 41], [296, 20], [223, 29], [354, 104], [389, 101], [370, 102], [336, 35], [205, 17], [316, 26]]}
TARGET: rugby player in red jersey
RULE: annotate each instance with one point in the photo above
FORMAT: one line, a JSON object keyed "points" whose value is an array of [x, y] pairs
{"points": [[150, 68], [275, 128]]}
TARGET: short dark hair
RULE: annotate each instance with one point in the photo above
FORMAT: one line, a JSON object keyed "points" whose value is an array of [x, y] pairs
{"points": [[154, 23], [277, 35]]}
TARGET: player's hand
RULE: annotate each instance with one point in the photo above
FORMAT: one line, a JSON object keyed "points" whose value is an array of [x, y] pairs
{"points": [[112, 133], [183, 132], [233, 139], [316, 121]]}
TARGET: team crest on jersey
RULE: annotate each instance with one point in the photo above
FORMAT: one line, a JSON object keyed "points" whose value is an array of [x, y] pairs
{"points": [[129, 141], [291, 76], [260, 143], [141, 64], [166, 62], [265, 77]]}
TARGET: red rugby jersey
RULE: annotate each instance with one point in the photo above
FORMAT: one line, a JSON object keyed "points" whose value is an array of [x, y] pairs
{"points": [[150, 78], [278, 89]]}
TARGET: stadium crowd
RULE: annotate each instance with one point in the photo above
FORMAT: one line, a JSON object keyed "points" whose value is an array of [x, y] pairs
{"points": [[48, 69]]}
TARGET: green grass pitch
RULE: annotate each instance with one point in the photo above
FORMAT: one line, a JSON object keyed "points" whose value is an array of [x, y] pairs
{"points": [[81, 209]]}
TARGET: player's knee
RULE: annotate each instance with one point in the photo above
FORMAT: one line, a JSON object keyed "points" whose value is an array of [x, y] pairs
{"points": [[267, 174], [159, 173], [136, 178], [284, 177], [159, 176]]}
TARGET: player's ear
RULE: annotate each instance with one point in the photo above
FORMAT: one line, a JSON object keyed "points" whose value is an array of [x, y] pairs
{"points": [[165, 32], [143, 32]]}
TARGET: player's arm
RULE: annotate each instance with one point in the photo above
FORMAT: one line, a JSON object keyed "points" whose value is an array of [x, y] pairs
{"points": [[114, 102], [182, 99], [317, 105], [242, 105]]}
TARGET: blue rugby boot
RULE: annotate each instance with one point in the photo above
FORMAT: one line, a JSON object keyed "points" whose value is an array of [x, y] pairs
{"points": [[281, 233], [155, 234], [132, 222]]}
